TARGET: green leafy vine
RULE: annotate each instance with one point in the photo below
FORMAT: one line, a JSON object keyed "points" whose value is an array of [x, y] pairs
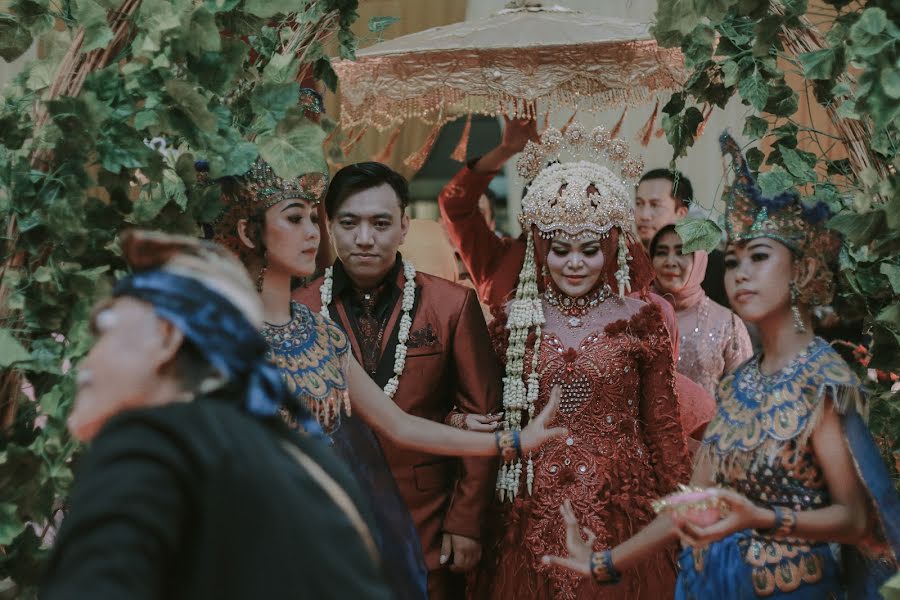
{"points": [[217, 79]]}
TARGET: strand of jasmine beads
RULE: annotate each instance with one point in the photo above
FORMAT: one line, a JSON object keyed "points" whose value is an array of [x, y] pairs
{"points": [[533, 388], [325, 291], [409, 297], [514, 391]]}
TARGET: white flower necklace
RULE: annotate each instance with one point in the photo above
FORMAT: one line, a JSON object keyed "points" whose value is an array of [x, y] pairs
{"points": [[409, 297]]}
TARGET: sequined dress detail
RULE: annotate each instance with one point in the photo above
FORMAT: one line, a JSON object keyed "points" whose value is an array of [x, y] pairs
{"points": [[712, 343], [625, 448], [313, 355]]}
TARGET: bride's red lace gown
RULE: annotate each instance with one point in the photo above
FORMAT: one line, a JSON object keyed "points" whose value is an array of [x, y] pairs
{"points": [[625, 448]]}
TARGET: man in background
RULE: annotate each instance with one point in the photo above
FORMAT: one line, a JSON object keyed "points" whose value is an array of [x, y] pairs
{"points": [[662, 197]]}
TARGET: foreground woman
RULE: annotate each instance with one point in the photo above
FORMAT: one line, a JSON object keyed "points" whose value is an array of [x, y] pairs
{"points": [[713, 342], [788, 438], [613, 358], [192, 488], [272, 225]]}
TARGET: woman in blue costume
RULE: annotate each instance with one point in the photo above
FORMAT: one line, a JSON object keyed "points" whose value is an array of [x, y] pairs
{"points": [[271, 224], [807, 507]]}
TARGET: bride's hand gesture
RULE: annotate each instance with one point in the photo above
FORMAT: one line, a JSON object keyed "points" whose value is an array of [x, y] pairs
{"points": [[537, 432], [579, 559]]}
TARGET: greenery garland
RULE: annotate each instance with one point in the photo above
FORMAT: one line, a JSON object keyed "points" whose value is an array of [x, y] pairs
{"points": [[746, 47], [201, 77]]}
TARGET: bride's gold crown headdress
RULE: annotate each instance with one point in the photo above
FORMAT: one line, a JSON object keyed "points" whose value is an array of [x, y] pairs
{"points": [[579, 196]]}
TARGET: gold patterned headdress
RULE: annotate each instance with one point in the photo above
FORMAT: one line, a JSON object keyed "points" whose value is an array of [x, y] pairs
{"points": [[268, 189], [575, 198], [785, 218], [580, 196], [250, 195]]}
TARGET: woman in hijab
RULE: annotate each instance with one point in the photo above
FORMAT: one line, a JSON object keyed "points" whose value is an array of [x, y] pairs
{"points": [[713, 342]]}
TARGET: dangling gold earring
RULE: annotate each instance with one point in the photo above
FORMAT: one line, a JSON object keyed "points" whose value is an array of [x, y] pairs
{"points": [[262, 274], [799, 325]]}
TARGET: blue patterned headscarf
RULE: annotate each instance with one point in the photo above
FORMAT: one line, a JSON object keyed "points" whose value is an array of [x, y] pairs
{"points": [[222, 334]]}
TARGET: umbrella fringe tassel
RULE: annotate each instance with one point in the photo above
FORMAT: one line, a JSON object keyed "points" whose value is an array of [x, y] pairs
{"points": [[618, 126], [350, 144], [647, 129], [702, 126], [569, 122], [415, 160], [461, 150], [385, 155]]}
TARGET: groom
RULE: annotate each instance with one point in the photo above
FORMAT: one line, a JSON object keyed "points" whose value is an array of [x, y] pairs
{"points": [[447, 360]]}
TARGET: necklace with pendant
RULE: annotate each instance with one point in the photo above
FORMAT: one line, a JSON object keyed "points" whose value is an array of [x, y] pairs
{"points": [[575, 308]]}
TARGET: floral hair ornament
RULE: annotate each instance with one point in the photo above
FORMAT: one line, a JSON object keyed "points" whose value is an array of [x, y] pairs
{"points": [[576, 198], [784, 218]]}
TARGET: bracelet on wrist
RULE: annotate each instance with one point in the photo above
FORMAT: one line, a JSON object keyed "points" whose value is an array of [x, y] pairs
{"points": [[602, 570], [509, 444], [785, 522]]}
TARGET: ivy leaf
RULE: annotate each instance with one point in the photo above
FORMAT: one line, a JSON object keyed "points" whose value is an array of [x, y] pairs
{"points": [[818, 64], [323, 71], [681, 129], [92, 17], [890, 82], [203, 33], [221, 5], [775, 181], [890, 316], [699, 234], [11, 351], [867, 34], [799, 164], [191, 103], [11, 526], [730, 71], [282, 68], [755, 127], [270, 8], [858, 228], [754, 158], [271, 101], [699, 45], [294, 150], [14, 38], [782, 101], [892, 272], [673, 18], [754, 90], [218, 70], [379, 24]]}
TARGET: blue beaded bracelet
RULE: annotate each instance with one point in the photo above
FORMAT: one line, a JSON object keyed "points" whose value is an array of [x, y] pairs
{"points": [[602, 570], [509, 444]]}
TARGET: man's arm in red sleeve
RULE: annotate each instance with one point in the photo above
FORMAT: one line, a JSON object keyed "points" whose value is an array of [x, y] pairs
{"points": [[479, 247]]}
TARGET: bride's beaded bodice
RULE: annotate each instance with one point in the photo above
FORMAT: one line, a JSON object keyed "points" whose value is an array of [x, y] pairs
{"points": [[625, 445]]}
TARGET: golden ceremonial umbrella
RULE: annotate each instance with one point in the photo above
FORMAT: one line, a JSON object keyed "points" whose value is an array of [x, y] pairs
{"points": [[516, 62]]}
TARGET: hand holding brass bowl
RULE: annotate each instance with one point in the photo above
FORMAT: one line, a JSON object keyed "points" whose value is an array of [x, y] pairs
{"points": [[699, 506]]}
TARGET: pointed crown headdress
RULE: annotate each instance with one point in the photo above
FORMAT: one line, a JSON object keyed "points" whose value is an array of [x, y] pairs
{"points": [[579, 196], [785, 218]]}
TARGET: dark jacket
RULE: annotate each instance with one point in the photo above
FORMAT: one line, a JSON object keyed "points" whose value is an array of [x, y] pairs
{"points": [[199, 500]]}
